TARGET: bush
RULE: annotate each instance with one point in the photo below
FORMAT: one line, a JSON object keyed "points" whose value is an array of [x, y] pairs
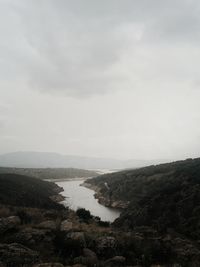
{"points": [[84, 214], [66, 247], [103, 224], [24, 217]]}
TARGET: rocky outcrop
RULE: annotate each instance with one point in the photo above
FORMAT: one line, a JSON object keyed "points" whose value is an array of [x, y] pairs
{"points": [[77, 265], [17, 255], [30, 236], [116, 261], [57, 198], [106, 245], [90, 257], [47, 225], [9, 223], [77, 236], [105, 200], [186, 252], [66, 226], [49, 265], [86, 261]]}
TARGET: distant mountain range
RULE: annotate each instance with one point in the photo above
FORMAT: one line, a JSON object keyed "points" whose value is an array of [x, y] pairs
{"points": [[55, 160]]}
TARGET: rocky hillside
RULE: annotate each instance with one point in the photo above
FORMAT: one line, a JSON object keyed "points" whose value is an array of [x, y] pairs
{"points": [[50, 173]]}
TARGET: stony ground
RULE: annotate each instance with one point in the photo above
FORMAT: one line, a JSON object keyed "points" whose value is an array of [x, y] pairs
{"points": [[44, 238]]}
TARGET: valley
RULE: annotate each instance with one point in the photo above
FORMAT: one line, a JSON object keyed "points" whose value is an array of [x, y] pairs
{"points": [[158, 225]]}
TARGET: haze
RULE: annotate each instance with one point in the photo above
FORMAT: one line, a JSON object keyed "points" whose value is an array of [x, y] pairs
{"points": [[102, 78]]}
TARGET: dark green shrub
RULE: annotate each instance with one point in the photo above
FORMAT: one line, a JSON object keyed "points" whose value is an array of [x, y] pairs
{"points": [[67, 247], [84, 214], [103, 224], [24, 217]]}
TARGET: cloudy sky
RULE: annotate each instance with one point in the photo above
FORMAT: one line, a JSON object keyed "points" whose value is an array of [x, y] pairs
{"points": [[107, 78]]}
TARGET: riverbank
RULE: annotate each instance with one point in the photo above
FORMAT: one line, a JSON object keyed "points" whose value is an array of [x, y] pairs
{"points": [[67, 179], [105, 200]]}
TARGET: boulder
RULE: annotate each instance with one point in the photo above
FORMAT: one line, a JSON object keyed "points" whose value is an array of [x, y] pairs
{"points": [[89, 262], [66, 226], [57, 198], [77, 236], [47, 225], [89, 253], [106, 245], [17, 255], [49, 265], [9, 223], [89, 258], [29, 236], [116, 261]]}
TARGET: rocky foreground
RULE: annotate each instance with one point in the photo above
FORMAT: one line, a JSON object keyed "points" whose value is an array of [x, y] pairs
{"points": [[38, 237]]}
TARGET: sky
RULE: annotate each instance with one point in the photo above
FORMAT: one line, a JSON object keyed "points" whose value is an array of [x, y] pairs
{"points": [[107, 78]]}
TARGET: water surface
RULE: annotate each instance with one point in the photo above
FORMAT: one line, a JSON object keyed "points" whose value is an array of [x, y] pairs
{"points": [[81, 197]]}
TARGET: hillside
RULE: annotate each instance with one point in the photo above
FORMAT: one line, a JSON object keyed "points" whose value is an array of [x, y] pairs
{"points": [[31, 159], [165, 196], [50, 173], [24, 191], [35, 231]]}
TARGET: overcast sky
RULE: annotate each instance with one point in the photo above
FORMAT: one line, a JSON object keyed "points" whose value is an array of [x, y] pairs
{"points": [[109, 78]]}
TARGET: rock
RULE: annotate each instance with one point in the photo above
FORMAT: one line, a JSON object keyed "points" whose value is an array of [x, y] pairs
{"points": [[77, 236], [66, 226], [9, 223], [89, 262], [89, 258], [120, 204], [186, 252], [49, 265], [47, 225], [57, 198], [106, 245], [173, 265], [29, 236], [116, 261], [89, 253], [15, 254]]}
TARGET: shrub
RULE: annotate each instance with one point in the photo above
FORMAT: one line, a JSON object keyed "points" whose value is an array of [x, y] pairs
{"points": [[84, 214], [103, 223], [24, 217], [66, 247]]}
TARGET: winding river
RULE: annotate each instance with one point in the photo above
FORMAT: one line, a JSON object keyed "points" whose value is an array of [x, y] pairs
{"points": [[77, 196]]}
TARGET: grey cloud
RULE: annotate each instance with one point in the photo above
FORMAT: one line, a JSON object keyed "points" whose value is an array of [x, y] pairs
{"points": [[77, 47], [135, 63]]}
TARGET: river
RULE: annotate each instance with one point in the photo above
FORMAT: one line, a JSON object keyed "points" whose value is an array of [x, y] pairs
{"points": [[81, 197]]}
